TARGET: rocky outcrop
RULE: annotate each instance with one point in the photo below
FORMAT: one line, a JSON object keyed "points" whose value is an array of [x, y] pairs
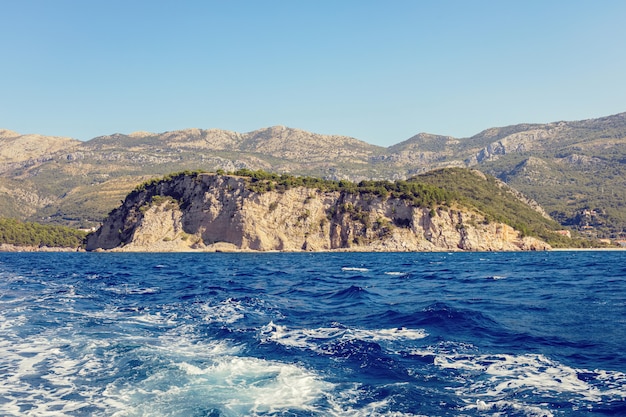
{"points": [[518, 142], [210, 212]]}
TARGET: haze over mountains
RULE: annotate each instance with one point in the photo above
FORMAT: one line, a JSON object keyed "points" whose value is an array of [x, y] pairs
{"points": [[575, 170]]}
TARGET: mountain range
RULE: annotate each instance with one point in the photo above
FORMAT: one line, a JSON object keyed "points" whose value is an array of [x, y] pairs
{"points": [[575, 170]]}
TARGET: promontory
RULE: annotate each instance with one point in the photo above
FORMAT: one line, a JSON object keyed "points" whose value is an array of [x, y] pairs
{"points": [[257, 211]]}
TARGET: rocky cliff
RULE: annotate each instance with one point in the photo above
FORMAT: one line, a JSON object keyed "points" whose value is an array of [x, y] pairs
{"points": [[209, 212]]}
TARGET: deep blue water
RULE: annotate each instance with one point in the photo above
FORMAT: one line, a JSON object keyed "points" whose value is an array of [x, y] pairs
{"points": [[326, 334]]}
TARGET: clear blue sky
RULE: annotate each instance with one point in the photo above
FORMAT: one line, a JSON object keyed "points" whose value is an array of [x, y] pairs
{"points": [[380, 71]]}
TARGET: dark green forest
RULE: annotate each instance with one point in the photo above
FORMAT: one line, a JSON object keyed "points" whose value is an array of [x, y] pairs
{"points": [[18, 233]]}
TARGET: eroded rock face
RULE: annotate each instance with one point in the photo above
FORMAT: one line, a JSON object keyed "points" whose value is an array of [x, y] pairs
{"points": [[209, 212]]}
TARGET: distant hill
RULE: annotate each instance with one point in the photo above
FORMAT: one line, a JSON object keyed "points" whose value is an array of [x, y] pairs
{"points": [[575, 170], [16, 147]]}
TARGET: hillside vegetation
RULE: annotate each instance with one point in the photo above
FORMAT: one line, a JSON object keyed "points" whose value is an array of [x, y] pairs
{"points": [[15, 232], [498, 202]]}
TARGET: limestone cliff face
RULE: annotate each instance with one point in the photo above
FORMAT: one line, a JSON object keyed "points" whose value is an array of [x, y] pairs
{"points": [[209, 212]]}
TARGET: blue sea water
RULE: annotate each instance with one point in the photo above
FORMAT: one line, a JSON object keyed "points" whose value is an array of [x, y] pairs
{"points": [[313, 334]]}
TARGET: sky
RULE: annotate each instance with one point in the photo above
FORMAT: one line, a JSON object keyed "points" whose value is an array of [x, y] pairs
{"points": [[380, 71]]}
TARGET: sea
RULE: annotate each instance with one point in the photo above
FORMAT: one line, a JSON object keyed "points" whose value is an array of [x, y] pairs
{"points": [[313, 334]]}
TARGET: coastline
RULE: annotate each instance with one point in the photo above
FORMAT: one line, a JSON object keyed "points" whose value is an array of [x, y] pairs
{"points": [[16, 249], [588, 249], [6, 247]]}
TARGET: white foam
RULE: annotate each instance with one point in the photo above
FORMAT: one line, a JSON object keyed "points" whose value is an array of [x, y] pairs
{"points": [[182, 342], [505, 408], [228, 312], [396, 273], [7, 323], [56, 374], [349, 401], [301, 338], [93, 277], [257, 385], [49, 358], [230, 385], [356, 269], [497, 376], [126, 289], [60, 372], [157, 318], [233, 310], [314, 339], [496, 277], [401, 333]]}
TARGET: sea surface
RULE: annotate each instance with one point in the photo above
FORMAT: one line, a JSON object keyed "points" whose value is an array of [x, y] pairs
{"points": [[313, 334]]}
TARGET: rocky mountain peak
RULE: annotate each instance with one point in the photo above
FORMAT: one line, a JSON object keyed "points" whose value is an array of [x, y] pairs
{"points": [[5, 133], [140, 134], [15, 147]]}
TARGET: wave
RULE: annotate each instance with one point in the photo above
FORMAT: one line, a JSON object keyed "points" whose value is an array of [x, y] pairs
{"points": [[228, 311], [233, 310], [397, 273], [496, 277], [350, 293], [441, 318], [318, 339], [355, 269], [127, 289], [177, 374], [508, 408], [493, 382], [451, 320], [228, 386], [218, 337], [157, 318]]}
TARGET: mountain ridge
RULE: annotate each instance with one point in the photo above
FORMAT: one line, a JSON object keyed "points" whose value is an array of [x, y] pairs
{"points": [[567, 167], [494, 133]]}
